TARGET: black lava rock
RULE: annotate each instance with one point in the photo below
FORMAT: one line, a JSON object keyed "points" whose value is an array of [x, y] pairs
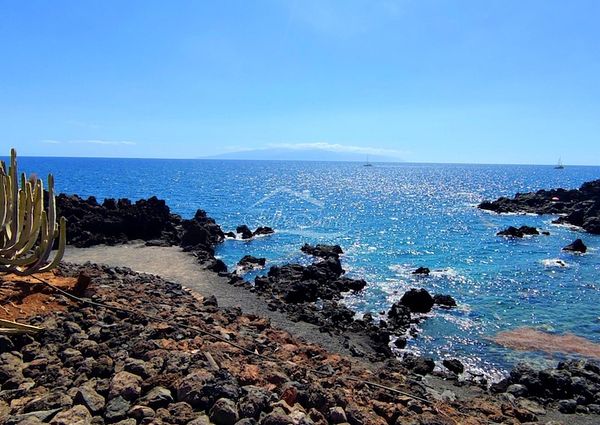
{"points": [[576, 246], [417, 300], [520, 232], [422, 270]]}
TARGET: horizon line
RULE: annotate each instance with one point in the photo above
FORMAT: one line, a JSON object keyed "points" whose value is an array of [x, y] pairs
{"points": [[299, 160]]}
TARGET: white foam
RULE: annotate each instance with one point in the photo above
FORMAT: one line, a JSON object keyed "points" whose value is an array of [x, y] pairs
{"points": [[555, 262]]}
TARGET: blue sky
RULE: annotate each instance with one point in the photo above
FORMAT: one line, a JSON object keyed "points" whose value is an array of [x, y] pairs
{"points": [[421, 80]]}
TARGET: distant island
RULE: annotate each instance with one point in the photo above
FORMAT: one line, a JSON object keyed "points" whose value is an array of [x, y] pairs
{"points": [[284, 154]]}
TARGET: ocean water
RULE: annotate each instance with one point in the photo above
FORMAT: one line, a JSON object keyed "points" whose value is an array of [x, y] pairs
{"points": [[389, 219]]}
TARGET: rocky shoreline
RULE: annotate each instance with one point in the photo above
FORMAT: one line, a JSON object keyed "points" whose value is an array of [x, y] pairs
{"points": [[162, 355], [111, 223], [306, 293], [576, 207]]}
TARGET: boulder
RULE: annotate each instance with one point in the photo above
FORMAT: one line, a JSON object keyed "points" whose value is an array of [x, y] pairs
{"points": [[422, 270], [263, 230], [454, 365], [519, 232], [322, 251], [244, 231], [418, 364], [399, 316], [417, 300], [444, 300], [576, 246], [251, 262]]}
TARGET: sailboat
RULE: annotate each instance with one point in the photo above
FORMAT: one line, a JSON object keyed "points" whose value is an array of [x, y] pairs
{"points": [[367, 164], [559, 165]]}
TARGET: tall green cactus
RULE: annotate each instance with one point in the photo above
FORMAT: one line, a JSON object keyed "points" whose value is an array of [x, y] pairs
{"points": [[28, 230]]}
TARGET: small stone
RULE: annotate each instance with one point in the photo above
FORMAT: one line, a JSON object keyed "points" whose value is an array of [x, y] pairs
{"points": [[54, 400], [41, 416], [422, 270], [246, 421], [6, 344], [129, 421], [211, 301], [290, 394], [567, 406], [594, 408], [517, 390], [77, 415], [140, 412], [337, 415], [200, 420], [90, 399], [532, 406], [224, 412], [116, 408], [276, 418], [126, 385], [158, 397]]}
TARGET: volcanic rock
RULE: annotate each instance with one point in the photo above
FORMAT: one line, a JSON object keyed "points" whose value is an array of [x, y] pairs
{"points": [[323, 251], [244, 231], [263, 230], [251, 262], [576, 246], [519, 232], [417, 300], [579, 207], [422, 270], [418, 364], [444, 300], [454, 365]]}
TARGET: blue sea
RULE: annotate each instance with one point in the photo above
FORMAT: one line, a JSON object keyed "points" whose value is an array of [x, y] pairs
{"points": [[389, 219]]}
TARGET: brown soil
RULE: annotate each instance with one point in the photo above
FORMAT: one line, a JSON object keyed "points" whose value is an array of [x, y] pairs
{"points": [[530, 339], [25, 297]]}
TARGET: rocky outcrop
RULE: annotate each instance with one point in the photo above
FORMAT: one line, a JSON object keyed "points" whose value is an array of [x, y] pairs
{"points": [[578, 207], [442, 300], [119, 221], [422, 270], [417, 300], [518, 232], [576, 246], [245, 233], [263, 230], [572, 387], [249, 262], [322, 251], [114, 222]]}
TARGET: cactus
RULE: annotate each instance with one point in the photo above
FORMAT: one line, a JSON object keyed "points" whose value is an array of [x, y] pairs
{"points": [[28, 230]]}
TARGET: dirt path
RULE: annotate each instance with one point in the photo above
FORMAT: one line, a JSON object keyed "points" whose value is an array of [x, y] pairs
{"points": [[172, 264]]}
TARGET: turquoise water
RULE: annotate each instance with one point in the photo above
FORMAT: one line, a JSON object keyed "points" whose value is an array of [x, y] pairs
{"points": [[390, 219]]}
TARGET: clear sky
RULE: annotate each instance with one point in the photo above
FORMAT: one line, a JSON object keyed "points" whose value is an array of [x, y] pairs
{"points": [[427, 81]]}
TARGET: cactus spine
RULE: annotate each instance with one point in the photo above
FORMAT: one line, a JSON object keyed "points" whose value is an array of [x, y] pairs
{"points": [[28, 230]]}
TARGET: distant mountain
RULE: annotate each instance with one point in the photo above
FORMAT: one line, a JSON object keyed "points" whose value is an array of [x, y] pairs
{"points": [[302, 155]]}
